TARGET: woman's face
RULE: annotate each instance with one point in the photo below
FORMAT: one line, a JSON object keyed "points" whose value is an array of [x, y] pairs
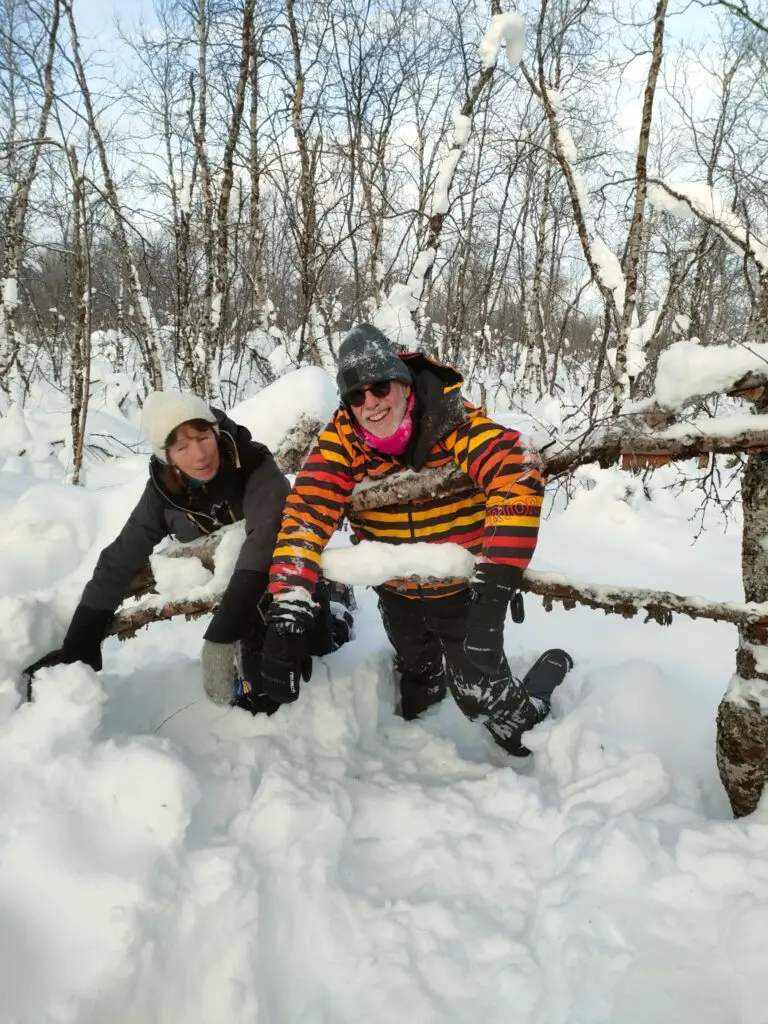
{"points": [[195, 452]]}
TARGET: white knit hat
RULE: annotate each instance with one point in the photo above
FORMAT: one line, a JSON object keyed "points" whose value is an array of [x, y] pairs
{"points": [[165, 410]]}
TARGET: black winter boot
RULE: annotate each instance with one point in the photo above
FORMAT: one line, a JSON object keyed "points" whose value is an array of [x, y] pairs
{"points": [[419, 691]]}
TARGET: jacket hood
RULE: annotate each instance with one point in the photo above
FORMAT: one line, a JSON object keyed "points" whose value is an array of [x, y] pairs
{"points": [[418, 363]]}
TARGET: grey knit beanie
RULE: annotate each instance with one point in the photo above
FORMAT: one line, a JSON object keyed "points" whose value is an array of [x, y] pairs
{"points": [[366, 356]]}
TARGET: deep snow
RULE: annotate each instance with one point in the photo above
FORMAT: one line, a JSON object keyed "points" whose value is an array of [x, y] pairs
{"points": [[163, 860]]}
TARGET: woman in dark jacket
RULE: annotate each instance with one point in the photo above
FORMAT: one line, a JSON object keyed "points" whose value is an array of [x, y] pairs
{"points": [[206, 472]]}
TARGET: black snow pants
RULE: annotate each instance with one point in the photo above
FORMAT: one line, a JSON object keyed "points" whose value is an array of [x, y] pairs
{"points": [[428, 637]]}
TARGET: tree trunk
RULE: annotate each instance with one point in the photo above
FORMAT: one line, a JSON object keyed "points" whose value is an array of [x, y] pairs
{"points": [[203, 382], [16, 213], [308, 235], [742, 719], [152, 346], [221, 279], [634, 238], [79, 347]]}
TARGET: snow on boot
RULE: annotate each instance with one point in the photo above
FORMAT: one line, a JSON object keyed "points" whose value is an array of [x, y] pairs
{"points": [[419, 691], [546, 673]]}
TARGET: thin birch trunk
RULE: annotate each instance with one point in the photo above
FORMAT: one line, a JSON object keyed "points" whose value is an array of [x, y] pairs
{"points": [[221, 279], [79, 374], [634, 238], [152, 346], [18, 205]]}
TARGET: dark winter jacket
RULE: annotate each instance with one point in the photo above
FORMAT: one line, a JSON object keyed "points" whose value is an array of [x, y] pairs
{"points": [[496, 516], [248, 486]]}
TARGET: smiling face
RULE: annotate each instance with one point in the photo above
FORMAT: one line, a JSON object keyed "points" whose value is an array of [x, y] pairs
{"points": [[195, 451], [381, 416]]}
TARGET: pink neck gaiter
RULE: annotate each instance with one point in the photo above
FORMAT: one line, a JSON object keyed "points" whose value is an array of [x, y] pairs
{"points": [[396, 443]]}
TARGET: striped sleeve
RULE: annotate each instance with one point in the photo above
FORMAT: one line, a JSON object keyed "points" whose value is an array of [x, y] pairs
{"points": [[313, 511], [512, 477]]}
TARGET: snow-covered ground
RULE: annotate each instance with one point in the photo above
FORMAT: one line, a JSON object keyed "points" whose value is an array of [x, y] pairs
{"points": [[164, 861]]}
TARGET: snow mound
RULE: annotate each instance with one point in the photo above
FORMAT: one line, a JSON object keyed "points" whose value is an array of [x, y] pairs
{"points": [[89, 838], [271, 414]]}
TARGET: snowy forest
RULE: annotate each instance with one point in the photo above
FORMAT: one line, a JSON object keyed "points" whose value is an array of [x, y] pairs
{"points": [[249, 176], [566, 201]]}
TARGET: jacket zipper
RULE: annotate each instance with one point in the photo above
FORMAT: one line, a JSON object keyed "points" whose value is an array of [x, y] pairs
{"points": [[189, 513]]}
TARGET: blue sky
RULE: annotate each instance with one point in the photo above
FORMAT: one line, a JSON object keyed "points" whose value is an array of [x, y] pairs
{"points": [[96, 18]]}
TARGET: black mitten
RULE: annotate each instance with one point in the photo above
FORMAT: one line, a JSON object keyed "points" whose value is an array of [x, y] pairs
{"points": [[342, 627], [47, 661], [493, 586], [82, 643], [84, 636], [284, 660]]}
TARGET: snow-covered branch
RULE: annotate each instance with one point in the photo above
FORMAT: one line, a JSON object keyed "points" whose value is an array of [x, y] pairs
{"points": [[687, 370], [706, 203], [657, 605], [725, 436], [507, 29], [604, 267], [370, 563]]}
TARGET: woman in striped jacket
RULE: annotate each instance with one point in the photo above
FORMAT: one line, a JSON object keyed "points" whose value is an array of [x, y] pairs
{"points": [[403, 413]]}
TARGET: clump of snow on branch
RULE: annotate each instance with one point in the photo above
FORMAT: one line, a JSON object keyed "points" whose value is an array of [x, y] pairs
{"points": [[272, 413], [639, 338], [569, 151], [310, 342], [216, 300], [609, 270], [371, 563], [687, 369], [185, 198], [508, 29], [605, 261], [687, 200], [10, 293], [176, 577], [462, 125], [440, 201], [393, 316]]}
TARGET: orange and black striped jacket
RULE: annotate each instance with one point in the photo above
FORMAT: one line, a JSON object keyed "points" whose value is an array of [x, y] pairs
{"points": [[496, 517]]}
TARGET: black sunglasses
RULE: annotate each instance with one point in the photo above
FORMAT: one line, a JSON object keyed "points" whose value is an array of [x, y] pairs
{"points": [[380, 389]]}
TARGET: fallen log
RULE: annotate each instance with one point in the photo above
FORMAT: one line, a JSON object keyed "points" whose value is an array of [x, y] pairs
{"points": [[297, 443], [677, 443], [657, 605], [604, 446], [127, 623]]}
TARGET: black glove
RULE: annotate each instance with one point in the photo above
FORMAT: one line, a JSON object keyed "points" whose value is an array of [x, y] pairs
{"points": [[284, 660], [47, 661], [84, 636], [255, 703], [249, 692], [493, 586], [82, 643], [341, 628], [234, 617]]}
